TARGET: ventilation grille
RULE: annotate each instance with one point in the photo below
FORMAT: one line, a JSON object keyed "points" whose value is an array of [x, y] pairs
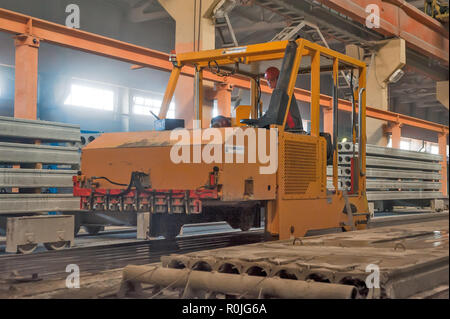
{"points": [[300, 166]]}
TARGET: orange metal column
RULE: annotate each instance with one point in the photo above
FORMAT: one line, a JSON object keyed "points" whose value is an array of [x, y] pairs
{"points": [[315, 94], [328, 121], [396, 135], [442, 140], [26, 77], [223, 96]]}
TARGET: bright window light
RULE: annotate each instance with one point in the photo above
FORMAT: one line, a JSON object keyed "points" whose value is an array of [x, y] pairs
{"points": [[405, 145], [215, 109], [434, 149], [389, 144], [143, 106], [92, 97]]}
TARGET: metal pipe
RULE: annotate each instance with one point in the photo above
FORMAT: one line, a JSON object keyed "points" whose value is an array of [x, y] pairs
{"points": [[250, 286], [360, 150], [335, 117], [197, 98]]}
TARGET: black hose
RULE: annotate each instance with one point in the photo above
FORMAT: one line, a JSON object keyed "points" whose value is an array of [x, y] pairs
{"points": [[109, 181]]}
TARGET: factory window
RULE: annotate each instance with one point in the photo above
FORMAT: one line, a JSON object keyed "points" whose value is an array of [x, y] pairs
{"points": [[435, 149], [92, 97], [143, 106], [215, 109], [405, 145]]}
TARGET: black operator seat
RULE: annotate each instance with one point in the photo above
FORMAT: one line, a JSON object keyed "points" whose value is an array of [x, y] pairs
{"points": [[279, 98]]}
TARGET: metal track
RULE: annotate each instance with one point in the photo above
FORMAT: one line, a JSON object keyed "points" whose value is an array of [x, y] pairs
{"points": [[52, 264]]}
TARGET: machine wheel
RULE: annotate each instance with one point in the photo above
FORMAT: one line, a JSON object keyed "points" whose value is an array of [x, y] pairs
{"points": [[247, 220], [56, 245], [76, 230], [171, 232], [94, 230], [243, 219], [165, 225], [26, 249], [77, 224]]}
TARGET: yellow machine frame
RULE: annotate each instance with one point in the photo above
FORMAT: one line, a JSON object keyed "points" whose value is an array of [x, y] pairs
{"points": [[293, 214]]}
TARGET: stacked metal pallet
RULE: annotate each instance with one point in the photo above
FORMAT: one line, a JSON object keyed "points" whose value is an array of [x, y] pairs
{"points": [[25, 179], [395, 176]]}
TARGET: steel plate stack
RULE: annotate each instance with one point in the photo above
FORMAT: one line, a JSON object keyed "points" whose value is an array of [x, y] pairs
{"points": [[393, 174], [37, 162]]}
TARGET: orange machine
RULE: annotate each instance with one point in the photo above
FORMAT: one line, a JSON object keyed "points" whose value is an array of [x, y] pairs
{"points": [[224, 174]]}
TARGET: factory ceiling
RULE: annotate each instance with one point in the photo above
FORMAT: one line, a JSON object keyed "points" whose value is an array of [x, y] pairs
{"points": [[259, 21]]}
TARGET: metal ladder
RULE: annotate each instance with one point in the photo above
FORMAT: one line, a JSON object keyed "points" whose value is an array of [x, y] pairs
{"points": [[222, 22]]}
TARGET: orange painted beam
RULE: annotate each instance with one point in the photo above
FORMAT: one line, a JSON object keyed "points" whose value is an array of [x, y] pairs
{"points": [[442, 141], [54, 33], [26, 77], [396, 130], [328, 121], [400, 19]]}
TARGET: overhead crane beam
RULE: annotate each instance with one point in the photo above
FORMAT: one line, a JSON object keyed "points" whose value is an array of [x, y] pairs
{"points": [[401, 19]]}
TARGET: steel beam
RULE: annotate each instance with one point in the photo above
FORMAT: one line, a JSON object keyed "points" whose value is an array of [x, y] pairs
{"points": [[28, 153], [401, 174], [37, 203], [390, 184], [346, 148], [38, 130], [372, 196], [34, 178], [392, 162]]}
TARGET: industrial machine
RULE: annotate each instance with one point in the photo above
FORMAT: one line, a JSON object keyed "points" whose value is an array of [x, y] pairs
{"points": [[437, 9], [125, 174]]}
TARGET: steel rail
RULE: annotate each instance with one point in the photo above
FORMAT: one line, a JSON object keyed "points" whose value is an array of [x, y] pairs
{"points": [[94, 259]]}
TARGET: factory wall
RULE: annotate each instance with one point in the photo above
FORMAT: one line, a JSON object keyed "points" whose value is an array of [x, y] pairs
{"points": [[57, 65]]}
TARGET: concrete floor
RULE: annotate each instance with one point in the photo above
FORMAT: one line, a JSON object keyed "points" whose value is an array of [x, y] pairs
{"points": [[118, 235]]}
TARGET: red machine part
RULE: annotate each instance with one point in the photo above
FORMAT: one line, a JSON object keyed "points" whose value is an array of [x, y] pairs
{"points": [[151, 200]]}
